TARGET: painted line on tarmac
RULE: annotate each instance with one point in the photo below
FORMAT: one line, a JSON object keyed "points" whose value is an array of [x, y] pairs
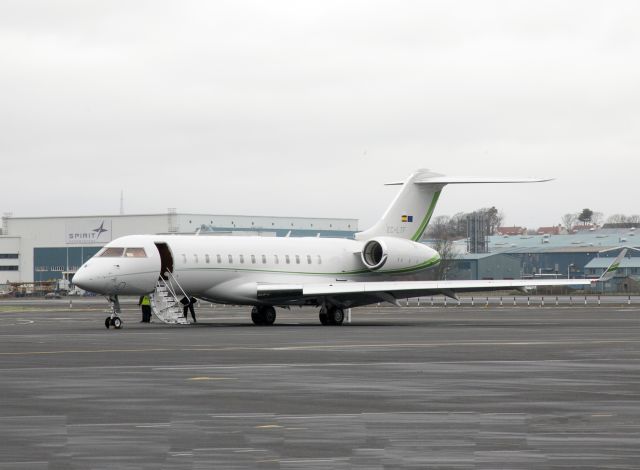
{"points": [[206, 378], [195, 367], [324, 347]]}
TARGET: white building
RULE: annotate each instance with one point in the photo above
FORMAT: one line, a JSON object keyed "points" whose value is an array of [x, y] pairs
{"points": [[48, 248]]}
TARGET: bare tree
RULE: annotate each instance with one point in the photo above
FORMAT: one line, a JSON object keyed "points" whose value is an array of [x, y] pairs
{"points": [[597, 218], [634, 219], [494, 219], [455, 227], [569, 220], [447, 257], [439, 227], [617, 219]]}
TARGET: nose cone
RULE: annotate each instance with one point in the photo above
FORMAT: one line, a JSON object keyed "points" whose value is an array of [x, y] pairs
{"points": [[86, 280]]}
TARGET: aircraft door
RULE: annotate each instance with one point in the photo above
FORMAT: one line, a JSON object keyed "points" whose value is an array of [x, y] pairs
{"points": [[166, 259]]}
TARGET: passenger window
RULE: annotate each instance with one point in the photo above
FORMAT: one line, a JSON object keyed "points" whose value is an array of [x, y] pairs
{"points": [[206, 259], [275, 259], [184, 258], [241, 259], [253, 259], [135, 253], [319, 260], [112, 252], [219, 259], [230, 259], [264, 259], [287, 259], [308, 259], [297, 259], [195, 258]]}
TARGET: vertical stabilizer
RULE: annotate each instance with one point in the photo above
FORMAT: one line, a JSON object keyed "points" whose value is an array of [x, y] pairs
{"points": [[410, 212]]}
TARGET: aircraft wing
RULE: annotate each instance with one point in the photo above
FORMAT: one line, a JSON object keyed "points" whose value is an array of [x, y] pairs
{"points": [[353, 294]]}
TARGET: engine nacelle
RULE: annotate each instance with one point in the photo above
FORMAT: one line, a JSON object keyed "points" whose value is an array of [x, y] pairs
{"points": [[397, 255]]}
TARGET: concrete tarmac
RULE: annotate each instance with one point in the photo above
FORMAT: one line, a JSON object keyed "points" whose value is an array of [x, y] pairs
{"points": [[428, 387]]}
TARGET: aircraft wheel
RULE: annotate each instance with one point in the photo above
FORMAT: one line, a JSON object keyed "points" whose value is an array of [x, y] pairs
{"points": [[256, 316], [269, 315], [117, 323], [335, 316], [338, 316], [324, 318], [107, 322]]}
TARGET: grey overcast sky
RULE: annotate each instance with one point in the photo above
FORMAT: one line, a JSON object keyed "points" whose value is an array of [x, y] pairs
{"points": [[306, 108]]}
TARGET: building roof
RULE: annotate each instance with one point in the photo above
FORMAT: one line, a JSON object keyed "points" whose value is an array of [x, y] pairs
{"points": [[511, 230], [477, 256], [554, 230], [575, 242]]}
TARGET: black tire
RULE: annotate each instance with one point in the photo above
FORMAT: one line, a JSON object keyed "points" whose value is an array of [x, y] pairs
{"points": [[117, 323], [338, 316], [324, 318], [335, 316], [269, 315], [256, 316], [107, 322]]}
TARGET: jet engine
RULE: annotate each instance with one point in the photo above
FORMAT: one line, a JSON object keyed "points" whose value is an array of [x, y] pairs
{"points": [[397, 254]]}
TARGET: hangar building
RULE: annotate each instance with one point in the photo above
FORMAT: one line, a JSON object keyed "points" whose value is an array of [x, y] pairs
{"points": [[51, 248]]}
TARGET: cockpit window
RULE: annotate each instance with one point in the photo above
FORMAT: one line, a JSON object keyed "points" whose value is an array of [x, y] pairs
{"points": [[135, 253], [112, 252]]}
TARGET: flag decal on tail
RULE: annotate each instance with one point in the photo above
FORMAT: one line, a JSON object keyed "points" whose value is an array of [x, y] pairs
{"points": [[407, 218]]}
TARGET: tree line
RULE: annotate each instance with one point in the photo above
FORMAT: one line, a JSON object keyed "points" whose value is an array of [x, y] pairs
{"points": [[590, 217], [454, 227]]}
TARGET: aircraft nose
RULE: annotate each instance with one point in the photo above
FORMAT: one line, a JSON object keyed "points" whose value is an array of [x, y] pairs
{"points": [[86, 280]]}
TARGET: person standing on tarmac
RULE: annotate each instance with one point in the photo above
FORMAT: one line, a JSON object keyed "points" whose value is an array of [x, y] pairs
{"points": [[145, 305], [188, 304]]}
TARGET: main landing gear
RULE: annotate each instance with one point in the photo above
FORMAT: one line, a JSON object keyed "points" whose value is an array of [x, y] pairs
{"points": [[263, 315], [331, 315], [113, 320]]}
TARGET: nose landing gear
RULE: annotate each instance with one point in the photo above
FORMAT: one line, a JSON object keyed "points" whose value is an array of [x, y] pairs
{"points": [[113, 320]]}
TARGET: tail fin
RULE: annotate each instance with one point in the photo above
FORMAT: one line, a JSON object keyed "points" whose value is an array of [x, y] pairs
{"points": [[411, 210], [611, 270]]}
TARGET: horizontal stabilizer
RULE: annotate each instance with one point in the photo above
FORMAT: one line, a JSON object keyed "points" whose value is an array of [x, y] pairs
{"points": [[471, 180]]}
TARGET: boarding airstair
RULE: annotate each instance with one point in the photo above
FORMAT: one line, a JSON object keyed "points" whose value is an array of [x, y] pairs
{"points": [[165, 304]]}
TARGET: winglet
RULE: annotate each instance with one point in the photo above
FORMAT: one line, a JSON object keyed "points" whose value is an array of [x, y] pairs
{"points": [[611, 270]]}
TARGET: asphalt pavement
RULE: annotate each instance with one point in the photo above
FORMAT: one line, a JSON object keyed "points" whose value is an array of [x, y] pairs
{"points": [[417, 387]]}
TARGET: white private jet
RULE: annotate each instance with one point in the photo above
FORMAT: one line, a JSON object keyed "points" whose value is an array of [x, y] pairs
{"points": [[383, 263]]}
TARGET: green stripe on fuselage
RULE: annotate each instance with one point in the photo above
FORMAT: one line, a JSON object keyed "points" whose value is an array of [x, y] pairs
{"points": [[427, 217]]}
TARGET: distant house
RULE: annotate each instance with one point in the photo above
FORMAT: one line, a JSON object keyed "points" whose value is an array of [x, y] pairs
{"points": [[557, 230], [512, 230]]}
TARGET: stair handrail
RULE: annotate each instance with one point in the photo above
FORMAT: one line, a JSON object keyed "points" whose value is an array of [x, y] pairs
{"points": [[178, 284], [169, 288]]}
